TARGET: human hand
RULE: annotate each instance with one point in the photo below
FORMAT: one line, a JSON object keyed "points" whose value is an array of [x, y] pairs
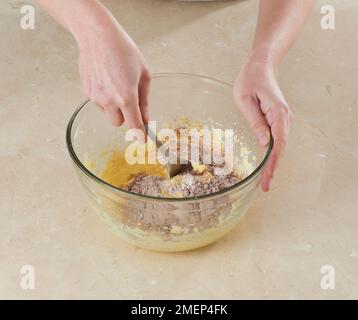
{"points": [[259, 98], [114, 75]]}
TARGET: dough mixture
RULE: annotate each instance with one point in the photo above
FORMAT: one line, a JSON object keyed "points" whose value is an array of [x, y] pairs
{"points": [[152, 179]]}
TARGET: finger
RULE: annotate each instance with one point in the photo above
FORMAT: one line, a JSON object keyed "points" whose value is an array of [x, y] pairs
{"points": [[133, 117], [144, 88], [114, 115], [279, 128], [270, 169], [252, 112]]}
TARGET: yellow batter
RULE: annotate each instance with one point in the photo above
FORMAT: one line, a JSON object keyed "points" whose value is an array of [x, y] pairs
{"points": [[118, 172]]}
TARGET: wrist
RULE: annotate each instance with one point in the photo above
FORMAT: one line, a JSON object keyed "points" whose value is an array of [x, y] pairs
{"points": [[264, 58], [90, 25]]}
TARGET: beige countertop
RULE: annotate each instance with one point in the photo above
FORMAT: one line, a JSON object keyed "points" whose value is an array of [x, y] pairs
{"points": [[310, 219]]}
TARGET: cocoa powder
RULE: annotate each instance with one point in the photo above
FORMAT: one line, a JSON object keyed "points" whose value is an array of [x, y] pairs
{"points": [[189, 184]]}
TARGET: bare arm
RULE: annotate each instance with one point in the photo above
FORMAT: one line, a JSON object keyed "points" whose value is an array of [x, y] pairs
{"points": [[257, 91], [112, 69], [278, 25], [77, 15]]}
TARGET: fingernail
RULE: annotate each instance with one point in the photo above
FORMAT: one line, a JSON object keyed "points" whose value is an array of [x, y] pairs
{"points": [[264, 138]]}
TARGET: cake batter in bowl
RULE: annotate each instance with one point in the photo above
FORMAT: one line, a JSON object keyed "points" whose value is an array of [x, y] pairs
{"points": [[164, 223]]}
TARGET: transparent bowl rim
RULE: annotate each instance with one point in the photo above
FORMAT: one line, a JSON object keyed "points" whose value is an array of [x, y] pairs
{"points": [[120, 191]]}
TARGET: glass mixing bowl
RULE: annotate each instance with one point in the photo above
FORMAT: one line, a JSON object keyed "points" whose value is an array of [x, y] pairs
{"points": [[166, 224]]}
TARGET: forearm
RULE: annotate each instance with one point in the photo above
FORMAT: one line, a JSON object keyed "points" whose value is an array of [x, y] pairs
{"points": [[81, 17], [279, 23]]}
